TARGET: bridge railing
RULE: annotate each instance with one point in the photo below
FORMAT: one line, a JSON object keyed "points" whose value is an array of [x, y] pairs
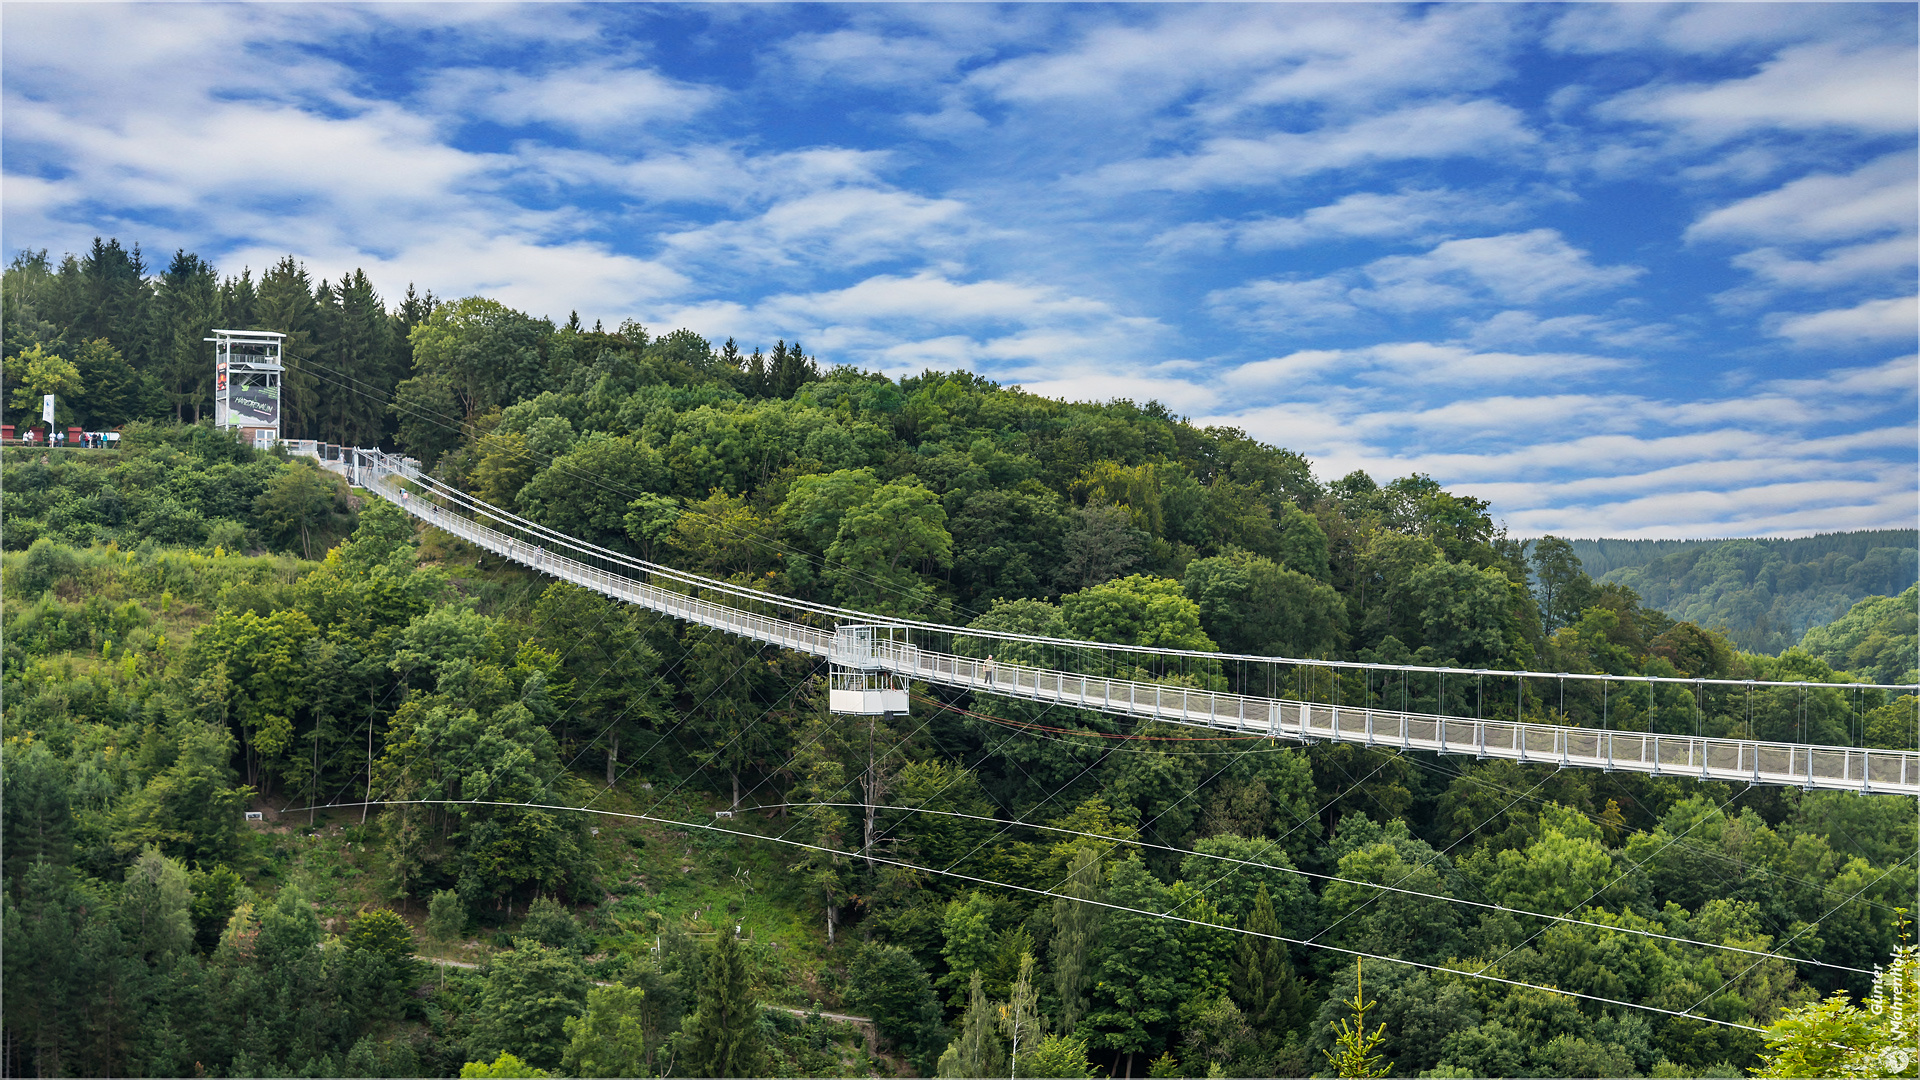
{"points": [[1698, 757], [772, 630]]}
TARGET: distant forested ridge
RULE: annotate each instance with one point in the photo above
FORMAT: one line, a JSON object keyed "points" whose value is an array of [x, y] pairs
{"points": [[194, 629], [1765, 593], [1879, 639]]}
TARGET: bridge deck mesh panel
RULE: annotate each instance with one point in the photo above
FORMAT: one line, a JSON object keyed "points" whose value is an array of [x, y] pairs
{"points": [[1679, 755]]}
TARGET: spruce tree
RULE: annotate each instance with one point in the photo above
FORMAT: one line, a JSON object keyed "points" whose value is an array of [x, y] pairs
{"points": [[756, 378], [791, 369], [186, 308], [1264, 985], [722, 1038], [1355, 1050], [285, 304], [110, 297], [354, 343]]}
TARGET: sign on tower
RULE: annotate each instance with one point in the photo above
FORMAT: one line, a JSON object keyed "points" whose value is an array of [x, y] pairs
{"points": [[246, 383]]}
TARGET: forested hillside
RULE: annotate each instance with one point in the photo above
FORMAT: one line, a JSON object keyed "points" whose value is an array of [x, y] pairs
{"points": [[194, 630], [1879, 638], [1766, 594]]}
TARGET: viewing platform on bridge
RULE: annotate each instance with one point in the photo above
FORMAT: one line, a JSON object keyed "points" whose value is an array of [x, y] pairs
{"points": [[1697, 757]]}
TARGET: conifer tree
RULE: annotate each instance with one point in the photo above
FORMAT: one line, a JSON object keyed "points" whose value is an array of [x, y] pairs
{"points": [[238, 296], [723, 1036], [286, 305], [791, 369], [108, 296], [756, 378], [1354, 1047], [1264, 985], [356, 352], [186, 309]]}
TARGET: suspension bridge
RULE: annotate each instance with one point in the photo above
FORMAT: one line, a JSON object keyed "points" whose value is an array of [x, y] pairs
{"points": [[873, 658]]}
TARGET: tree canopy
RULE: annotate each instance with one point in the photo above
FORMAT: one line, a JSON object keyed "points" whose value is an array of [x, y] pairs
{"points": [[662, 854]]}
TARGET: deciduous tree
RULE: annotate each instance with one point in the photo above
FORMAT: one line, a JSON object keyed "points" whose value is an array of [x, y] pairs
{"points": [[529, 994], [608, 1039]]}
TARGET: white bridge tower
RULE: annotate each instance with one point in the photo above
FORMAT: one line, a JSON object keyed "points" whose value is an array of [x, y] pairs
{"points": [[247, 370]]}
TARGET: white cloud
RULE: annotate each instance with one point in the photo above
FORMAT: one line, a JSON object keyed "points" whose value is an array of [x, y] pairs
{"points": [[1362, 215], [533, 273], [1748, 165], [1283, 307], [599, 97], [1773, 457], [1895, 380], [1810, 87], [1477, 128], [863, 56], [1878, 197], [1803, 227], [846, 226], [1094, 384], [1697, 28], [1509, 415], [1513, 268], [705, 173], [1521, 268], [1512, 328], [928, 298], [1417, 364], [1893, 320], [901, 323], [1283, 373], [1237, 59], [1878, 259], [1847, 498]]}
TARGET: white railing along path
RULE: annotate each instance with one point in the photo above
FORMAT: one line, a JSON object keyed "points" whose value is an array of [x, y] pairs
{"points": [[1696, 757]]}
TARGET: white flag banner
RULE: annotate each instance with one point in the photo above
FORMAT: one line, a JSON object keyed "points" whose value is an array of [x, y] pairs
{"points": [[46, 407]]}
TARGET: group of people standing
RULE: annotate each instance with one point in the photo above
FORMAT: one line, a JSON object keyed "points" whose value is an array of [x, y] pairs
{"points": [[89, 440]]}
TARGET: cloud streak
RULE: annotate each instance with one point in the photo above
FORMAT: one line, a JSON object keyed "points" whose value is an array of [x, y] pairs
{"points": [[1599, 264]]}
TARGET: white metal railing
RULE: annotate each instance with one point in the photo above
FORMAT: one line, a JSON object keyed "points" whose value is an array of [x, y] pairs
{"points": [[1697, 757]]}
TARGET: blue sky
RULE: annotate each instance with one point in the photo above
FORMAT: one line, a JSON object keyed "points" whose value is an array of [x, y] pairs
{"points": [[1642, 270]]}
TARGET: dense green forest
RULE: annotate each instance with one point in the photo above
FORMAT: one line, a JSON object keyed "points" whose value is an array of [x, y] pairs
{"points": [[195, 631], [1879, 638], [1765, 594]]}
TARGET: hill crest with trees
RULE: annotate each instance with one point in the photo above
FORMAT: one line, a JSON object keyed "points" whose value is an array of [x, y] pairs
{"points": [[1767, 594], [193, 629]]}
